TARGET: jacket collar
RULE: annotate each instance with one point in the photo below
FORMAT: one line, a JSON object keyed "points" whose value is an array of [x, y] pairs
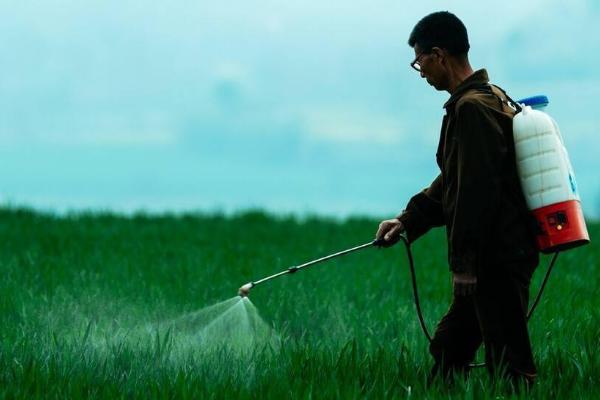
{"points": [[477, 78]]}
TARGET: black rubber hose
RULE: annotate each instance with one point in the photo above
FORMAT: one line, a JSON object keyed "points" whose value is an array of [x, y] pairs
{"points": [[539, 295], [413, 277]]}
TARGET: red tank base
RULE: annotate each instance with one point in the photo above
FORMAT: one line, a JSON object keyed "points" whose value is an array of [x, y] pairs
{"points": [[562, 227]]}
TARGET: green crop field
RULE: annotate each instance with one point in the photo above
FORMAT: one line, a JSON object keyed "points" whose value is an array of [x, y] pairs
{"points": [[84, 299]]}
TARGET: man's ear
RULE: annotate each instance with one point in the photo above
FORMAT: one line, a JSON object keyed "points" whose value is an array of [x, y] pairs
{"points": [[440, 54]]}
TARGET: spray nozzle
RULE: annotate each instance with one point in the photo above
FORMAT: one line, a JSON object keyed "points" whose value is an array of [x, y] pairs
{"points": [[244, 290]]}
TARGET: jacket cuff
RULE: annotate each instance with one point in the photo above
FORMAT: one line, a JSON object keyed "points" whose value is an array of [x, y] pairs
{"points": [[408, 220]]}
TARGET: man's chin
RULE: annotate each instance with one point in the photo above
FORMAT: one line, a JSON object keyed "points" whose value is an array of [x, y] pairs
{"points": [[432, 84], [437, 86]]}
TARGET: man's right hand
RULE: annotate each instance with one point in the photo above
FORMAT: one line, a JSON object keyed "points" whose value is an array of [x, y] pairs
{"points": [[389, 232]]}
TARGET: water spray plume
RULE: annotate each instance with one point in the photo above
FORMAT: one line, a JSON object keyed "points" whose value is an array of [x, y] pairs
{"points": [[233, 326]]}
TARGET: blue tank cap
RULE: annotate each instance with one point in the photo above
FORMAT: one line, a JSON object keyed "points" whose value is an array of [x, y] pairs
{"points": [[535, 101]]}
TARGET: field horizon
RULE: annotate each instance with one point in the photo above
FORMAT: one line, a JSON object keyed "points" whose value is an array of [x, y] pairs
{"points": [[81, 290]]}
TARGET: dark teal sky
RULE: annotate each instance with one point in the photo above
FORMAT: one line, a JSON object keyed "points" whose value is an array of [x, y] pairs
{"points": [[292, 106]]}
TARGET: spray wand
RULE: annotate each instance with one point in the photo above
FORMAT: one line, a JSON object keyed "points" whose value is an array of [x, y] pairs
{"points": [[245, 289]]}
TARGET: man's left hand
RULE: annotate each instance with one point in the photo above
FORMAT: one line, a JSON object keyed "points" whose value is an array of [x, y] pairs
{"points": [[464, 283]]}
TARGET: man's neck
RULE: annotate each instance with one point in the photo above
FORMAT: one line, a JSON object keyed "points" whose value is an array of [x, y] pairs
{"points": [[458, 75]]}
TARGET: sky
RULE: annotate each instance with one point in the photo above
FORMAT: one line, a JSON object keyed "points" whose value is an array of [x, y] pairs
{"points": [[289, 106]]}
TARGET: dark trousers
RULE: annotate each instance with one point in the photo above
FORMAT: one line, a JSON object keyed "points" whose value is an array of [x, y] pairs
{"points": [[496, 315]]}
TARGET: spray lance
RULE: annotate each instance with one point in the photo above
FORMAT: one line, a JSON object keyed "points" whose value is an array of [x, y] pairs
{"points": [[245, 289]]}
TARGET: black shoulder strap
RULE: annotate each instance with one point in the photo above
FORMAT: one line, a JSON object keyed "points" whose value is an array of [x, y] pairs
{"points": [[508, 100]]}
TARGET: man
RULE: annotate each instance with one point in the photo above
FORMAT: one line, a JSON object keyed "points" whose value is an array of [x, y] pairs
{"points": [[477, 196]]}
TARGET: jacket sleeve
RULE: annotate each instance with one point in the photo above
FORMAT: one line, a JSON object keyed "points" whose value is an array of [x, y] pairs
{"points": [[423, 211], [479, 148]]}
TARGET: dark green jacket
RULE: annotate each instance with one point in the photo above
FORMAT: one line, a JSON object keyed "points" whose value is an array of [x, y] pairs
{"points": [[477, 195]]}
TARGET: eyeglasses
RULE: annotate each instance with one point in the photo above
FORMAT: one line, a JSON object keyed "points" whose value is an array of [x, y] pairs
{"points": [[416, 64]]}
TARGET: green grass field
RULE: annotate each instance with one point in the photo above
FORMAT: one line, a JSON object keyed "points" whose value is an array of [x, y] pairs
{"points": [[78, 294]]}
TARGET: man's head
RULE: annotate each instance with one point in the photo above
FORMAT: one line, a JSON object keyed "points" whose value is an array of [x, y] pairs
{"points": [[441, 46]]}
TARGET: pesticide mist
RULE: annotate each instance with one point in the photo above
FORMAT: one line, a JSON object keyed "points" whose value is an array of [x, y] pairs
{"points": [[232, 325], [230, 333]]}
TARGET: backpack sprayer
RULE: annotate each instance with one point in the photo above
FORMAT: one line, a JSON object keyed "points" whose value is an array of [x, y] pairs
{"points": [[547, 177], [548, 183]]}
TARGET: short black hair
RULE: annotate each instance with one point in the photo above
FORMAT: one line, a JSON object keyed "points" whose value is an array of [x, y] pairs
{"points": [[441, 29]]}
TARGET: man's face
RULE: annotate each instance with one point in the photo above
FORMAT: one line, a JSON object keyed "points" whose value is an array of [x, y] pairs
{"points": [[432, 67]]}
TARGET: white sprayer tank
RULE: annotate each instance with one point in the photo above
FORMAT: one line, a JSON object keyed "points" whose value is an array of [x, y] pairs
{"points": [[547, 178]]}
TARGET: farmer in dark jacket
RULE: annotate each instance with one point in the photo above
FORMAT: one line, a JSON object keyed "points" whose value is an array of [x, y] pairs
{"points": [[477, 196]]}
